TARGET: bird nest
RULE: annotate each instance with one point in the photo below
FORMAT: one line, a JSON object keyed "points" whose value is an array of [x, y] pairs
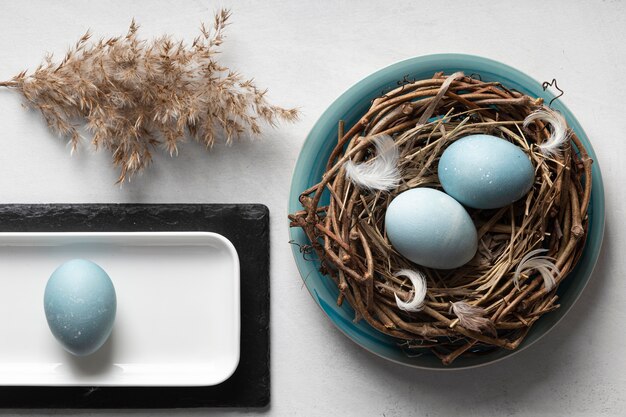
{"points": [[492, 301]]}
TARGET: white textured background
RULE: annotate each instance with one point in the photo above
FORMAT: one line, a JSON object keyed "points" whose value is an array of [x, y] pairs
{"points": [[307, 53]]}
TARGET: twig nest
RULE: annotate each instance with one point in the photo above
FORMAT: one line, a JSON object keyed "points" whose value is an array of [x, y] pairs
{"points": [[491, 301]]}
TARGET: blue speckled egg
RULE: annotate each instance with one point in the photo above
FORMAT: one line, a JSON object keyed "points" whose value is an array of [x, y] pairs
{"points": [[80, 306], [485, 172], [431, 229]]}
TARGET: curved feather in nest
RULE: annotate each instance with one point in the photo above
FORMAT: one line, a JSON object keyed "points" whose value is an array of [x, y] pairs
{"points": [[559, 131], [418, 280], [544, 265], [380, 173], [473, 318]]}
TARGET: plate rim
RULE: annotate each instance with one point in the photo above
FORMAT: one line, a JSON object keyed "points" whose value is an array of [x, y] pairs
{"points": [[597, 195]]}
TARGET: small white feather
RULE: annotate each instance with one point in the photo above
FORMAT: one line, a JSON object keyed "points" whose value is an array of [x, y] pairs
{"points": [[559, 131], [473, 318], [418, 280], [380, 172], [544, 265]]}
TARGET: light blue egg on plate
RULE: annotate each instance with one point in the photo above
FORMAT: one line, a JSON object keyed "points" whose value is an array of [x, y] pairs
{"points": [[485, 172], [80, 306], [431, 229]]}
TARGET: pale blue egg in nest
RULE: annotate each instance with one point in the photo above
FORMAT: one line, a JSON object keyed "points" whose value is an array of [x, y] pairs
{"points": [[431, 229], [485, 172]]}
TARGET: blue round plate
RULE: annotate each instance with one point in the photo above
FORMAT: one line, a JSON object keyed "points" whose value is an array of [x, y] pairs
{"points": [[350, 106]]}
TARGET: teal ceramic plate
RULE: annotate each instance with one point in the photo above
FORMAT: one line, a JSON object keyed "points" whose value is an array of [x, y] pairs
{"points": [[354, 103]]}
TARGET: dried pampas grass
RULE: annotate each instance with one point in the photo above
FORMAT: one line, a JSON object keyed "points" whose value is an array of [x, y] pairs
{"points": [[135, 95]]}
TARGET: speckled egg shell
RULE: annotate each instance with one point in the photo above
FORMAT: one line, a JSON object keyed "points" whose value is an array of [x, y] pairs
{"points": [[80, 305], [485, 172], [431, 228]]}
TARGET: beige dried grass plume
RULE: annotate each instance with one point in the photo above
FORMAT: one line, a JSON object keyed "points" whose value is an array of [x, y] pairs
{"points": [[134, 95]]}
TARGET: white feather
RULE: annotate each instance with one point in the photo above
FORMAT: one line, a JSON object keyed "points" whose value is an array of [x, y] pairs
{"points": [[418, 280], [544, 265], [380, 172], [473, 318], [558, 125]]}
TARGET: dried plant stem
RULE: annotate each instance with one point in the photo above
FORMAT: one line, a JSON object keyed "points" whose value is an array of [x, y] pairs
{"points": [[357, 255], [134, 95]]}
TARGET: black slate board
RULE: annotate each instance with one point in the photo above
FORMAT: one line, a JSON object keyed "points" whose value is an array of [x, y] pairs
{"points": [[245, 225]]}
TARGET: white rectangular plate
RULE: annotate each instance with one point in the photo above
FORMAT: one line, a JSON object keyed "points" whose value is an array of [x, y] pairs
{"points": [[177, 322]]}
